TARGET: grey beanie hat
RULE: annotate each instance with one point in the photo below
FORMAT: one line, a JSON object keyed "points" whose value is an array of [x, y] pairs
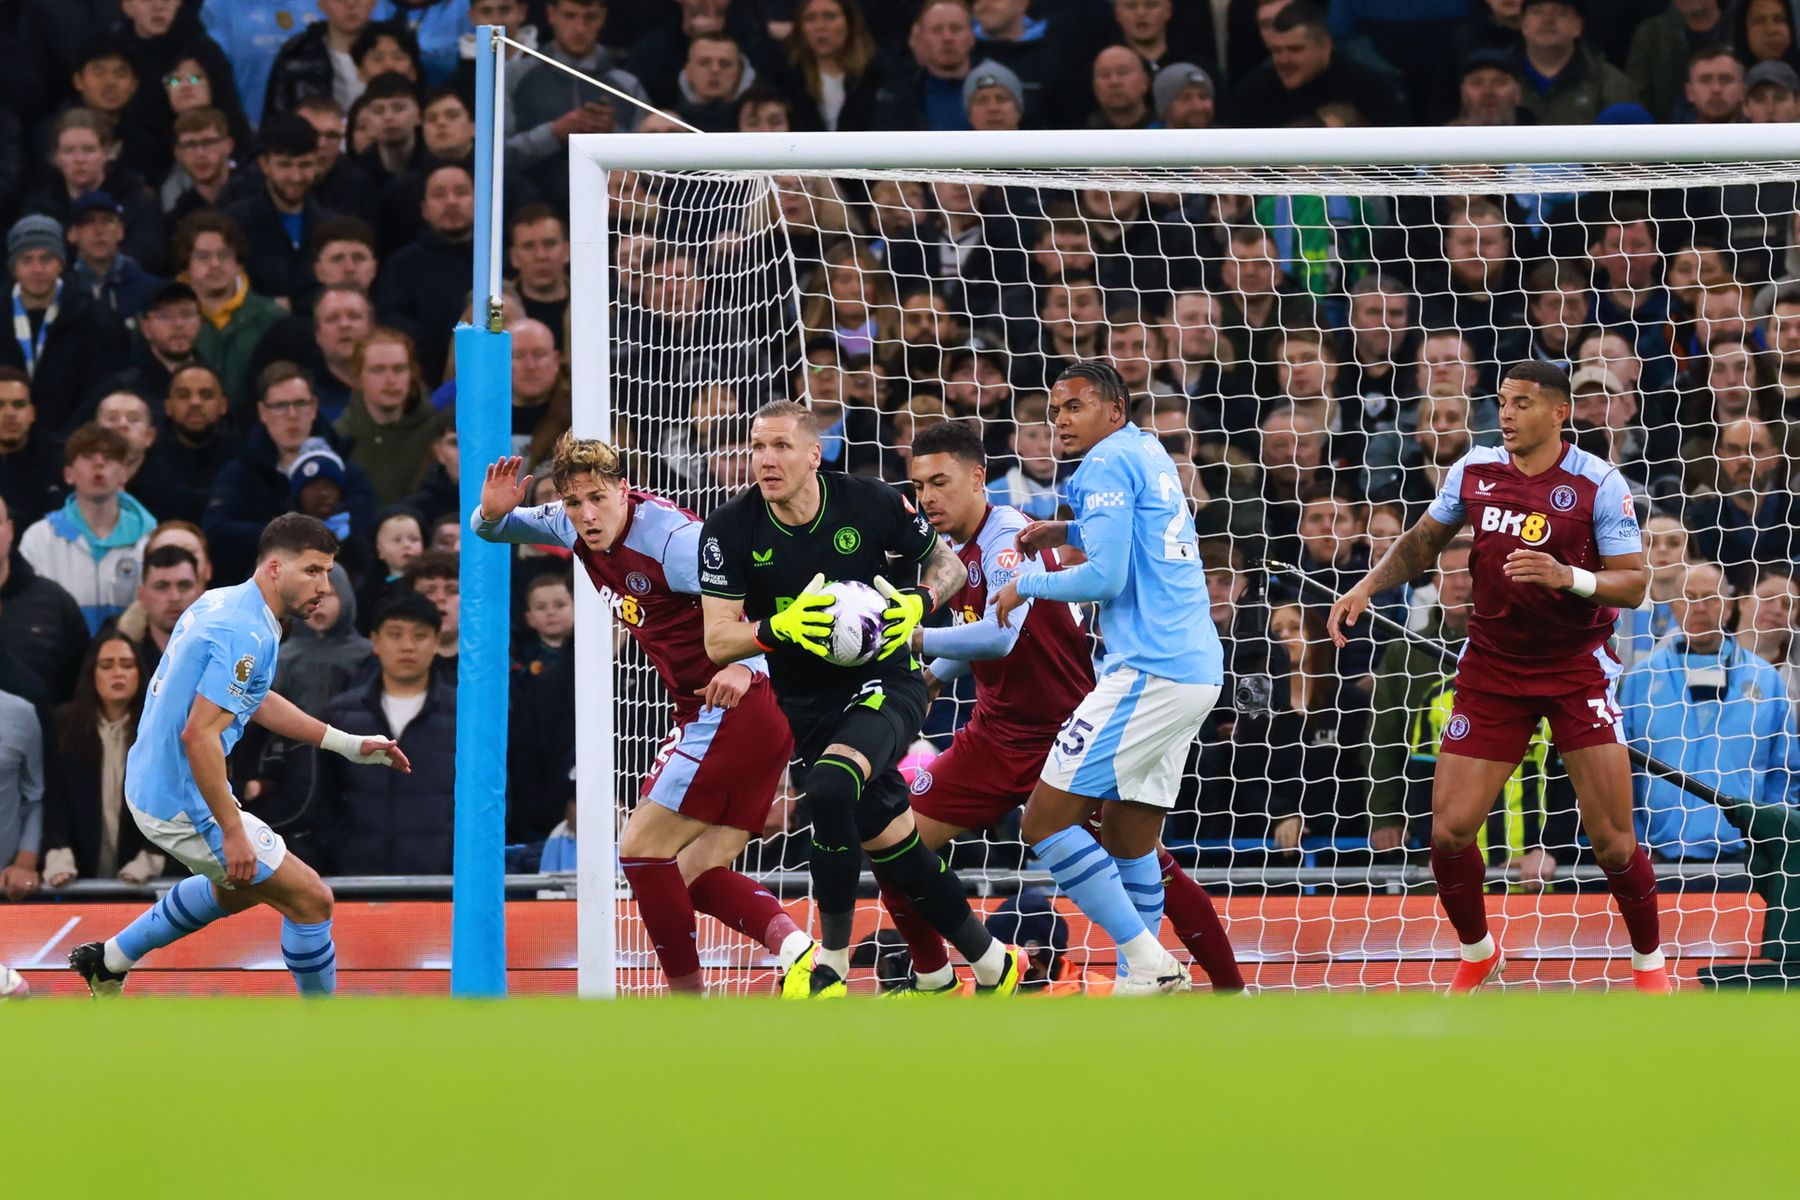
{"points": [[1170, 81], [989, 73], [36, 232]]}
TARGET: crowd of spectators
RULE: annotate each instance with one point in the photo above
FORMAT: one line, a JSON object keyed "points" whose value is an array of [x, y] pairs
{"points": [[238, 236]]}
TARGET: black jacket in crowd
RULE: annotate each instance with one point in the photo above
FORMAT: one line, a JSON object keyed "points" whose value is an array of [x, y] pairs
{"points": [[542, 733], [1262, 98], [143, 373], [425, 285], [659, 55], [276, 266], [72, 817], [31, 479], [302, 70], [155, 57], [85, 347], [146, 233], [250, 491], [42, 626], [347, 190], [387, 823], [879, 98]]}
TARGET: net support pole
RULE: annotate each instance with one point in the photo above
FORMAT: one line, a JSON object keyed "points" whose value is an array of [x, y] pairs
{"points": [[483, 431], [596, 852]]}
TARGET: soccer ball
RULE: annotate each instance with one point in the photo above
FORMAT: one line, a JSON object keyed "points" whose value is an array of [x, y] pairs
{"points": [[12, 984], [856, 623]]}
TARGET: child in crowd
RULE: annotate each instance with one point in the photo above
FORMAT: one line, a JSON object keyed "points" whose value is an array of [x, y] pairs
{"points": [[399, 538]]}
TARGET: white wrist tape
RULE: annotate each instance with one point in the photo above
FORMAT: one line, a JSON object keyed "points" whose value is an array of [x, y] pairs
{"points": [[350, 746], [1584, 583]]}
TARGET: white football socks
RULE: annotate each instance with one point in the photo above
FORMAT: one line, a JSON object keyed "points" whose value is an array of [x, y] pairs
{"points": [[991, 965], [1144, 955], [793, 946], [116, 962], [935, 981], [1479, 951], [837, 960]]}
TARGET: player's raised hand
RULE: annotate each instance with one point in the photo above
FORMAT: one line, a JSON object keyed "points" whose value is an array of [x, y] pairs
{"points": [[1347, 609], [502, 488], [1534, 566], [1039, 536], [727, 686]]}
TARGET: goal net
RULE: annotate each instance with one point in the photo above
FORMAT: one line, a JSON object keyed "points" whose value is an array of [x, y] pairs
{"points": [[1314, 345]]}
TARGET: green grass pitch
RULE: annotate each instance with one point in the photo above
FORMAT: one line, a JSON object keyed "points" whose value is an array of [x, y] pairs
{"points": [[1534, 1096]]}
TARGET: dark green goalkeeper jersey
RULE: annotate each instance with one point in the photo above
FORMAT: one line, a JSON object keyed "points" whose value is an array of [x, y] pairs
{"points": [[864, 528]]}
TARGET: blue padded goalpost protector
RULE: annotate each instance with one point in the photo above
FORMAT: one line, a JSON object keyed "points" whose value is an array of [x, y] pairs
{"points": [[483, 431]]}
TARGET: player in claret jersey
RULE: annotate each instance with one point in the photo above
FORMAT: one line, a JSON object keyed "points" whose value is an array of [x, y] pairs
{"points": [[1029, 676], [717, 774], [1557, 554]]}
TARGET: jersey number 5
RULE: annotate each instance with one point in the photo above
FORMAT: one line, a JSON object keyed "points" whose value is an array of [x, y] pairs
{"points": [[1177, 546]]}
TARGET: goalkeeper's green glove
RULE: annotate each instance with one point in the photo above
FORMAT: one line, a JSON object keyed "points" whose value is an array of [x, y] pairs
{"points": [[806, 622], [906, 608]]}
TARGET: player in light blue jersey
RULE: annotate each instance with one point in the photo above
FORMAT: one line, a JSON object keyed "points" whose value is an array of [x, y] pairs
{"points": [[1124, 748], [213, 680]]}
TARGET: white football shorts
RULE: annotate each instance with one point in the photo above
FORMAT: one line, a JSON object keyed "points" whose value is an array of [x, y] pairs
{"points": [[1129, 739]]}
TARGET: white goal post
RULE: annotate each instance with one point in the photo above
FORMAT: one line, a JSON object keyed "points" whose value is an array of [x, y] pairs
{"points": [[715, 171]]}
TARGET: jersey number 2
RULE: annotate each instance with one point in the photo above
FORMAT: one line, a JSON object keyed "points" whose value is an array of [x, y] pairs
{"points": [[1177, 547]]}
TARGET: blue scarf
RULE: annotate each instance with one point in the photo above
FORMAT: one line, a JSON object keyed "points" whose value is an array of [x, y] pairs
{"points": [[30, 349]]}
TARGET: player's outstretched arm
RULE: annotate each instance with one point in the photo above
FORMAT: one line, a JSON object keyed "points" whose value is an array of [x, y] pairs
{"points": [[1038, 536], [942, 574], [1620, 583], [283, 717], [1106, 539], [1412, 553], [940, 671], [985, 638], [500, 519], [973, 642], [729, 638]]}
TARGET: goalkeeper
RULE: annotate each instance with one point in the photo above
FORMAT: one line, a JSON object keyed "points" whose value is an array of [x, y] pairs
{"points": [[765, 555]]}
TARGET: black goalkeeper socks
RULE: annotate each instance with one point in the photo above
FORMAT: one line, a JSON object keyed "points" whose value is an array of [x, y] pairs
{"points": [[832, 788], [936, 894]]}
